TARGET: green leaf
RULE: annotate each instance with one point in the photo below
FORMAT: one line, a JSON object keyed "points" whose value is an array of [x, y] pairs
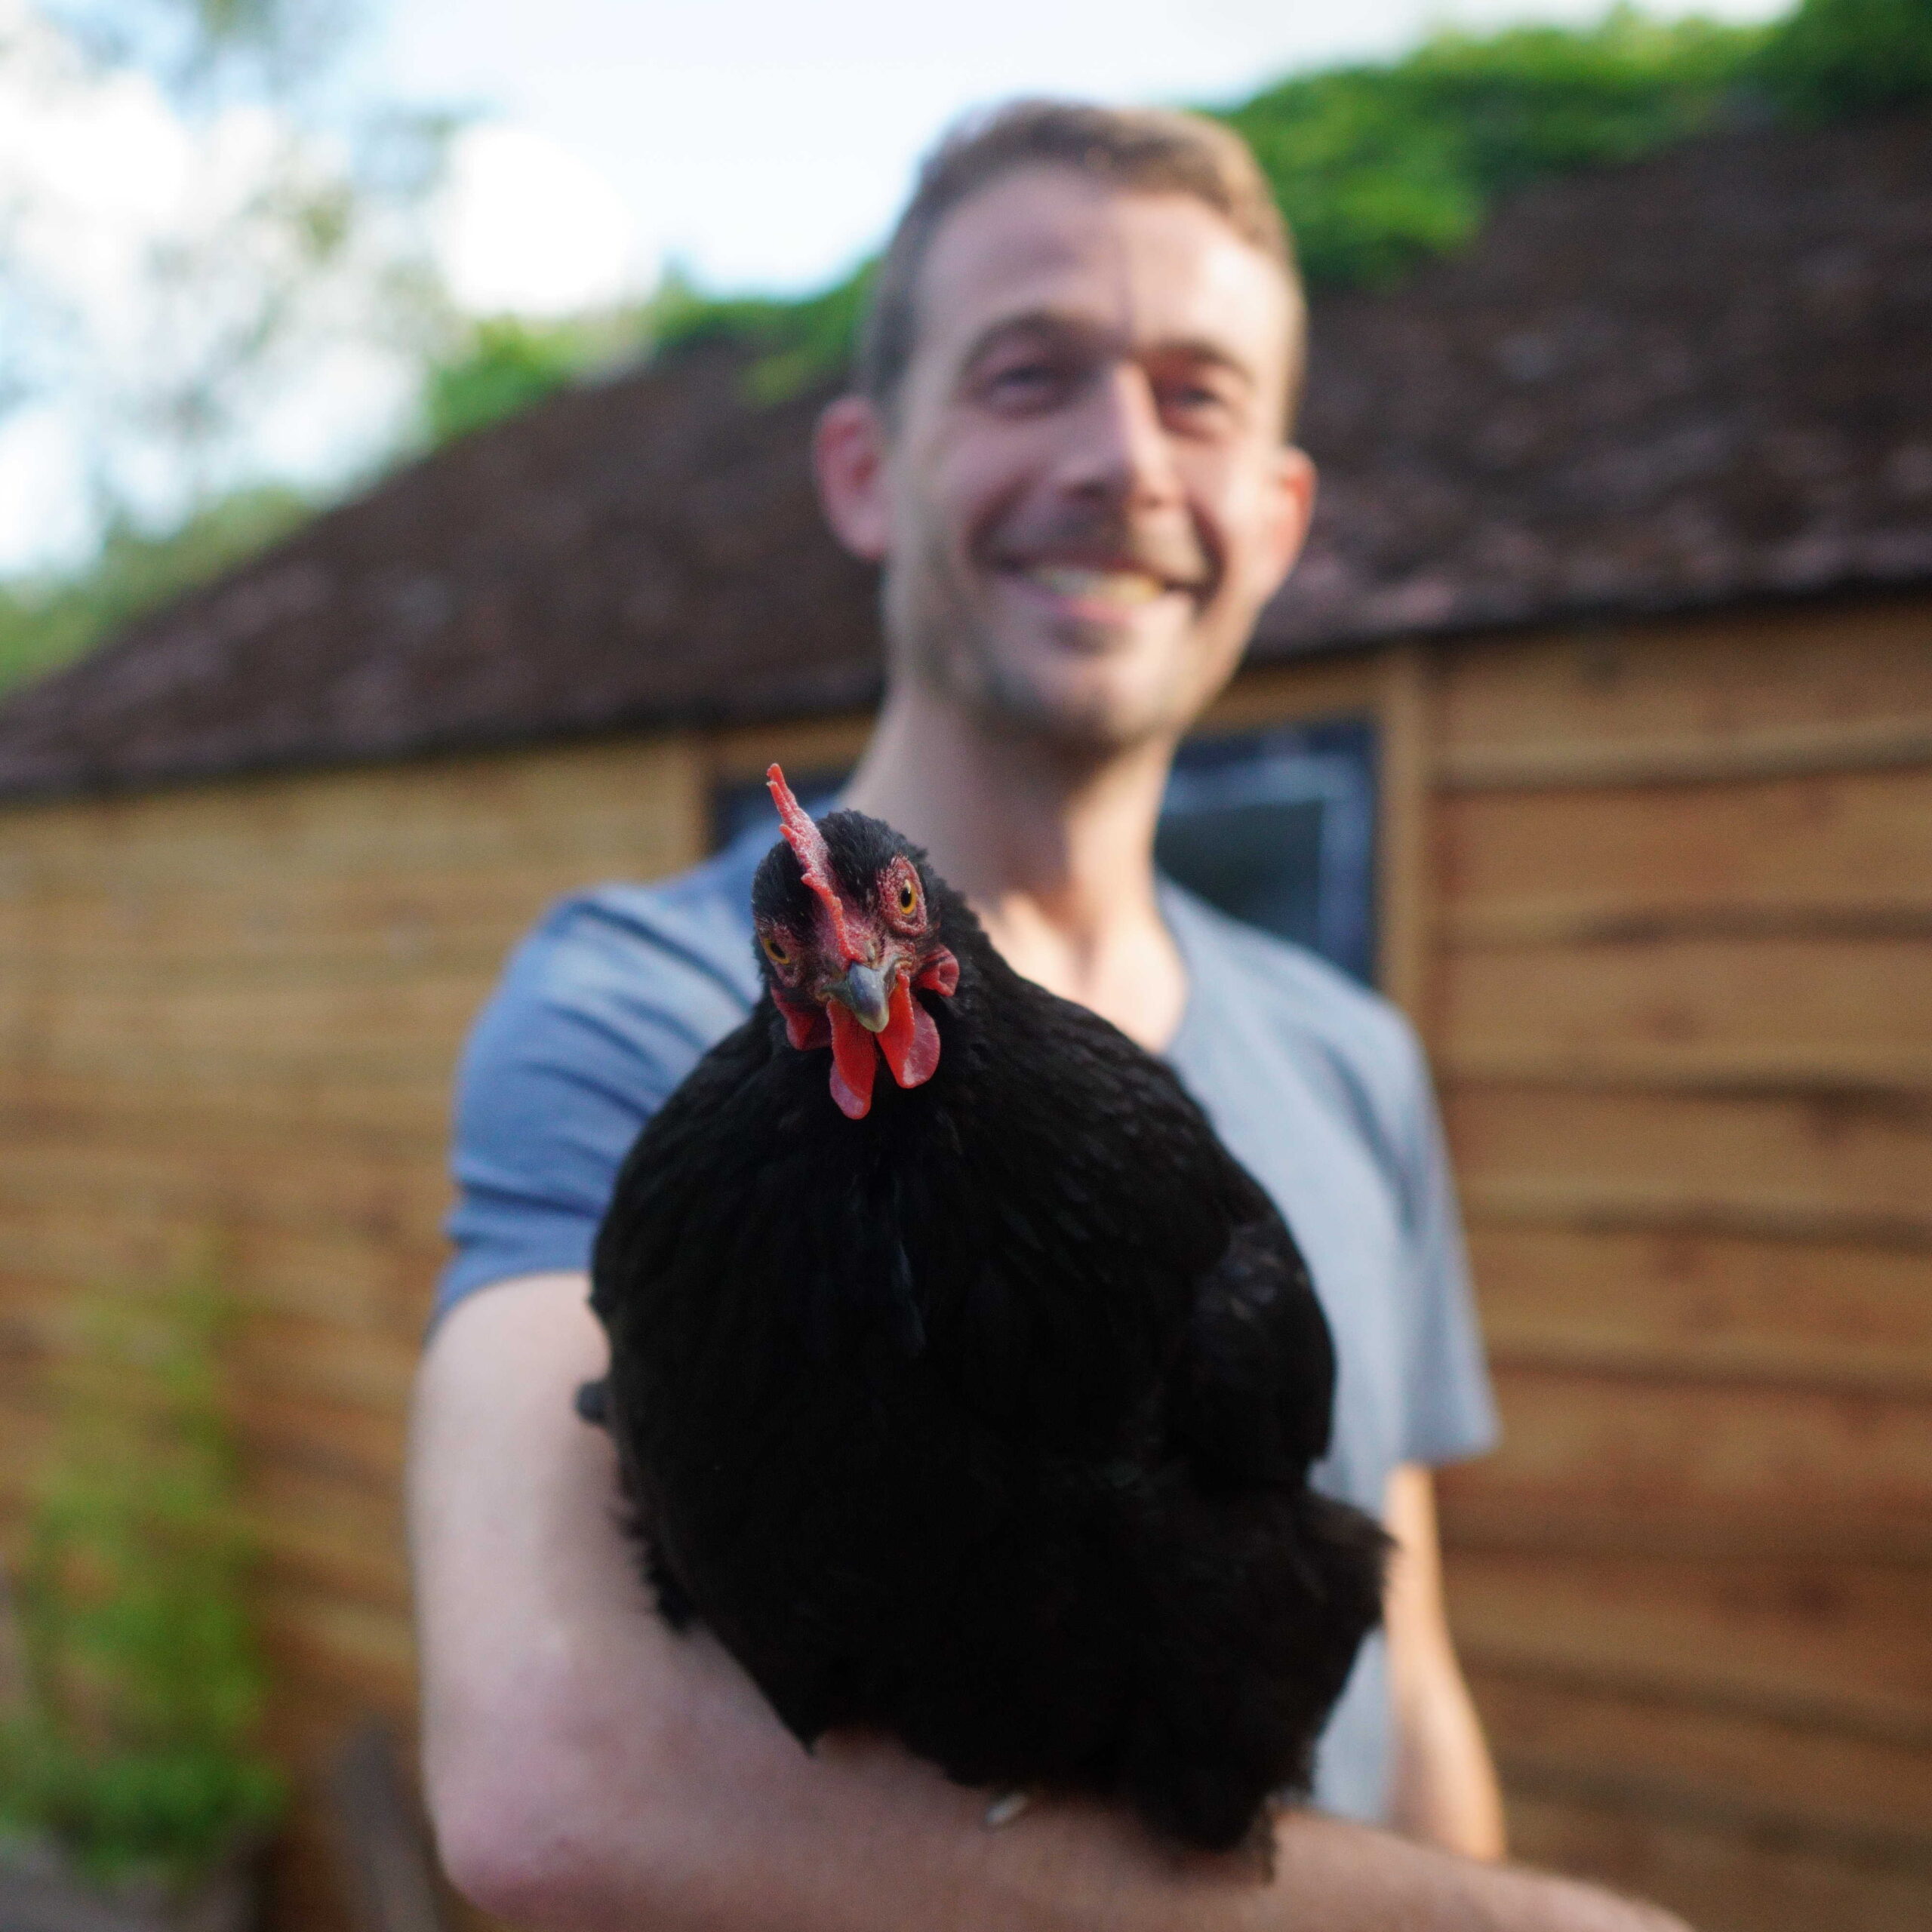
{"points": [[1832, 58], [133, 1748]]}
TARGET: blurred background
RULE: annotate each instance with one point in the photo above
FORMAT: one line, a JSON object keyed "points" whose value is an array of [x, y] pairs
{"points": [[404, 518]]}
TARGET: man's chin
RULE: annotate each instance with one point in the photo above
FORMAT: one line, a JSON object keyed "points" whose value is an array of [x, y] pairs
{"points": [[1094, 691], [1096, 714]]}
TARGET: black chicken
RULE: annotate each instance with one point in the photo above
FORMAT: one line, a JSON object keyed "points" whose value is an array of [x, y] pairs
{"points": [[978, 1406]]}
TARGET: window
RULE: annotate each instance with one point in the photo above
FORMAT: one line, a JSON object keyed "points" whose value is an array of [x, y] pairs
{"points": [[1276, 827]]}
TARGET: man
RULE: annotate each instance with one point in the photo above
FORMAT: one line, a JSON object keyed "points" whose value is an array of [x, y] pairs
{"points": [[1066, 450]]}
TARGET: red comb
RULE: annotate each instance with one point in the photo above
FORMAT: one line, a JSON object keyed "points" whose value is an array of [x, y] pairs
{"points": [[807, 844]]}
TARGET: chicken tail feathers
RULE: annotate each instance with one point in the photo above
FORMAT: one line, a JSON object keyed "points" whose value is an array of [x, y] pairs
{"points": [[1234, 1708]]}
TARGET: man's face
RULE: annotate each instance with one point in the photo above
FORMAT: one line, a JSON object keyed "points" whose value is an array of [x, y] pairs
{"points": [[1083, 499]]}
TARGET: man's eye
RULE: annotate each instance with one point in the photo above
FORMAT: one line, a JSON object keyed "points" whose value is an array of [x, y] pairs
{"points": [[1194, 399], [1022, 382]]}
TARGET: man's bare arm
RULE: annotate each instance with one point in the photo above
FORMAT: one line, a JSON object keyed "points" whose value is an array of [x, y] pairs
{"points": [[1445, 1791], [587, 1769]]}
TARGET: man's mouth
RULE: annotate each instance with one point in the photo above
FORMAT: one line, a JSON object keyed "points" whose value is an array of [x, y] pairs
{"points": [[1088, 584]]}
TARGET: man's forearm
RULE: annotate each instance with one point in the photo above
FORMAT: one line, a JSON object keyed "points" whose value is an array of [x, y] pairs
{"points": [[588, 1769], [1445, 1788]]}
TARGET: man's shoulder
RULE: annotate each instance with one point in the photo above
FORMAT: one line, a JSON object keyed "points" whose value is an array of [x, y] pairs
{"points": [[1283, 984], [693, 929], [1323, 1028]]}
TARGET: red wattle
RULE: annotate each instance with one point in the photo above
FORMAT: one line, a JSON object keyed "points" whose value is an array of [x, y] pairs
{"points": [[910, 1042], [854, 1063]]}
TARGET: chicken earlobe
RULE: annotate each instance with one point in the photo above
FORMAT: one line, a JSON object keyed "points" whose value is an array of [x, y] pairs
{"points": [[805, 1023]]}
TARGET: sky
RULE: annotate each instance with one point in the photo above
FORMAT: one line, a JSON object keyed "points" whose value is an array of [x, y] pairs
{"points": [[766, 144], [757, 144]]}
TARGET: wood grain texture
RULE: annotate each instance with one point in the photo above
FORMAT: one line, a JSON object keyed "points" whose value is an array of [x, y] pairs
{"points": [[1825, 1011], [1709, 1307], [1719, 697], [1404, 777], [741, 754], [1662, 900], [1823, 1645], [1590, 1460], [1719, 1878], [1820, 1154], [1830, 847], [1681, 980], [1744, 1773], [229, 1019], [1352, 686]]}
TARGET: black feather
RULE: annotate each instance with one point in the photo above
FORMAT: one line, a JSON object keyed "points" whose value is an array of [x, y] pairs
{"points": [[986, 1418]]}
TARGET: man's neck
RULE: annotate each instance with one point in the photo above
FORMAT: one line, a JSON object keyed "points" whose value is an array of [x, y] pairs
{"points": [[1054, 851]]}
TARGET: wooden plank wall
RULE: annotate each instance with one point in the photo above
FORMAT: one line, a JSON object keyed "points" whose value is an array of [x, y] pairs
{"points": [[1680, 998], [1660, 899], [229, 1016]]}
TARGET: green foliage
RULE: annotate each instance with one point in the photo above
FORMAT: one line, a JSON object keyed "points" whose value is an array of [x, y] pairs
{"points": [[504, 366], [803, 341], [45, 621], [129, 1745], [1833, 58], [1377, 167]]}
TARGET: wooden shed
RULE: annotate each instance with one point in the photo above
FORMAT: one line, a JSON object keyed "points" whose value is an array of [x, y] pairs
{"points": [[1625, 558]]}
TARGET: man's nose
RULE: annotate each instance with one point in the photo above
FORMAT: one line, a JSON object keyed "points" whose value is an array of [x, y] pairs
{"points": [[1120, 447]]}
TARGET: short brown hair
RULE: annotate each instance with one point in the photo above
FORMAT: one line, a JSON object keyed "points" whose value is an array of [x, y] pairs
{"points": [[1148, 149]]}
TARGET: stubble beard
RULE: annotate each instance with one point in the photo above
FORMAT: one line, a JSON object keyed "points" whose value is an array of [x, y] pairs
{"points": [[934, 636]]}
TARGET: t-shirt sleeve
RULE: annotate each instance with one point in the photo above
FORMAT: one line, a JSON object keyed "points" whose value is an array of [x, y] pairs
{"points": [[593, 1024], [1450, 1411]]}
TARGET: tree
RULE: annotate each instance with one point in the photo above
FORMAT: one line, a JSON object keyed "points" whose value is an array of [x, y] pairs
{"points": [[176, 313], [1835, 57]]}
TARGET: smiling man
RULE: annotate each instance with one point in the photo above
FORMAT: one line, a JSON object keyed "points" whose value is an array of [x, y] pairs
{"points": [[1067, 450]]}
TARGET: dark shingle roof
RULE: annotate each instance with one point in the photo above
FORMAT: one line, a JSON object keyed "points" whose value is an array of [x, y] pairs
{"points": [[1701, 378]]}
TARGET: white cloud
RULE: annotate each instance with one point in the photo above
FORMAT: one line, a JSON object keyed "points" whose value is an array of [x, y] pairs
{"points": [[766, 143], [45, 516], [525, 225], [763, 143], [161, 310]]}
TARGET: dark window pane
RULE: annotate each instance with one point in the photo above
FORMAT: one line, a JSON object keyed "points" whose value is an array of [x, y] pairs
{"points": [[1278, 828]]}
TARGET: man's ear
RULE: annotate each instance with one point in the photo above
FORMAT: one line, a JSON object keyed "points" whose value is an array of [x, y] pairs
{"points": [[848, 460], [1294, 489]]}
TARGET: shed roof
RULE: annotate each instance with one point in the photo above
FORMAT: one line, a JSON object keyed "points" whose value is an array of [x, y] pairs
{"points": [[1699, 378]]}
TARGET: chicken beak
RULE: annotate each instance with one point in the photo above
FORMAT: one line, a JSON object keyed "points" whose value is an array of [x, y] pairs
{"points": [[863, 991]]}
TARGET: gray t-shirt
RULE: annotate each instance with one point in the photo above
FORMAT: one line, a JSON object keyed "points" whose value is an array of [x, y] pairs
{"points": [[1317, 1087]]}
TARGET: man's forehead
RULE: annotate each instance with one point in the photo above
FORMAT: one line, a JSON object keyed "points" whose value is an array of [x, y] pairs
{"points": [[1154, 266]]}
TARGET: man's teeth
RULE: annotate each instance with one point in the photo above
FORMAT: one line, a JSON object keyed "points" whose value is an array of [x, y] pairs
{"points": [[1111, 586]]}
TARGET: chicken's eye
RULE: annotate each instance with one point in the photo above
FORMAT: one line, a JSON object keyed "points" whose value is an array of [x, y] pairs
{"points": [[774, 950], [899, 890]]}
